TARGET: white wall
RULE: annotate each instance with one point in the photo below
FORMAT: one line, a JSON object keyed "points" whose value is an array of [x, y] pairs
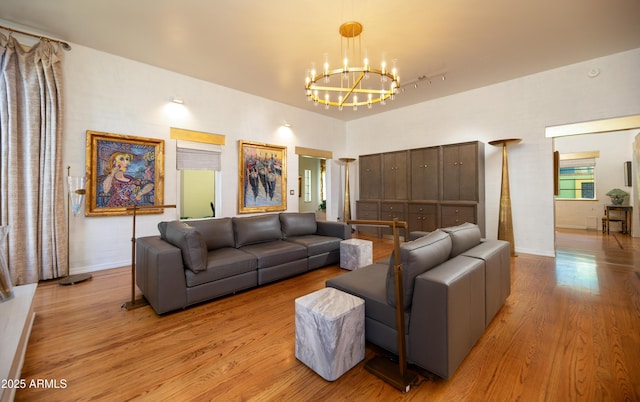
{"points": [[615, 149], [112, 94], [108, 93], [520, 108]]}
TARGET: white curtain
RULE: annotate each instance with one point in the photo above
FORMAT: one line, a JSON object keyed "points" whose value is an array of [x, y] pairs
{"points": [[32, 201]]}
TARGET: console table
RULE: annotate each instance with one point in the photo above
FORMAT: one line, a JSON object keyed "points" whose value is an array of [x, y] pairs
{"points": [[628, 214]]}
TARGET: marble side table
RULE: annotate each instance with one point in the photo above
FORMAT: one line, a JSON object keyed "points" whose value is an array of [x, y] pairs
{"points": [[355, 253], [329, 332]]}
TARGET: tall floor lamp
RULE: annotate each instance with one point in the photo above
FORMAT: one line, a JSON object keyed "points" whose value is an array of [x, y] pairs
{"points": [[505, 222], [76, 186], [347, 202], [133, 303]]}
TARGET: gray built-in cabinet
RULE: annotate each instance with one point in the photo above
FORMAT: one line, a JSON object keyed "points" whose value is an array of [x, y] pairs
{"points": [[428, 187]]}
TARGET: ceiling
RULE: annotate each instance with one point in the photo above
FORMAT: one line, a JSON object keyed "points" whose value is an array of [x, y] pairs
{"points": [[266, 47]]}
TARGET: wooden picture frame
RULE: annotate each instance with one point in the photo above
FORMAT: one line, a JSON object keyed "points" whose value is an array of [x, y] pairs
{"points": [[123, 171], [262, 177]]}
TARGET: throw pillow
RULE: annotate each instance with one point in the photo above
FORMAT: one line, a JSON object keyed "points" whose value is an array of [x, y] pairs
{"points": [[190, 242]]}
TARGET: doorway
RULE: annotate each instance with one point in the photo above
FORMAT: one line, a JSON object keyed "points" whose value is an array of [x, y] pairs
{"points": [[314, 181], [626, 133]]}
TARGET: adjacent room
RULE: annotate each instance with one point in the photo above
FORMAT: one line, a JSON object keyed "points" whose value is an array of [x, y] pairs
{"points": [[353, 201]]}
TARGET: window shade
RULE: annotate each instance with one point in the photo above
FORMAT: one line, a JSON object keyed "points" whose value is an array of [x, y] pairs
{"points": [[566, 163], [197, 157]]}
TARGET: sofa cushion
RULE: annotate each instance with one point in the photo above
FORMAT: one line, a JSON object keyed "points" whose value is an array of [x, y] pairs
{"points": [[162, 228], [256, 229], [417, 256], [222, 263], [217, 233], [368, 283], [190, 242], [276, 252], [317, 245], [298, 224], [463, 237]]}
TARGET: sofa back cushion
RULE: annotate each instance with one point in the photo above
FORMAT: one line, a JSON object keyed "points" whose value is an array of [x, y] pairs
{"points": [[217, 233], [463, 237], [256, 229], [298, 223], [190, 242], [417, 256]]}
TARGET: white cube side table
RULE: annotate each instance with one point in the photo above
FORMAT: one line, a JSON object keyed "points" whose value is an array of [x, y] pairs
{"points": [[355, 253], [329, 332]]}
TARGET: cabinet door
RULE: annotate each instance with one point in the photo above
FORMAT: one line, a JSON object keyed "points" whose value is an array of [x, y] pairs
{"points": [[395, 175], [425, 172], [468, 175], [453, 215], [422, 217], [370, 176], [367, 211], [389, 211], [460, 172]]}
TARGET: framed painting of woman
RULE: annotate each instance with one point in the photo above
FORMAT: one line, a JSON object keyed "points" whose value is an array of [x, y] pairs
{"points": [[123, 171], [262, 177]]}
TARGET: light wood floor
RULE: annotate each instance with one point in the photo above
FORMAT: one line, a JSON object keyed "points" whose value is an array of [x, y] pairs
{"points": [[570, 331]]}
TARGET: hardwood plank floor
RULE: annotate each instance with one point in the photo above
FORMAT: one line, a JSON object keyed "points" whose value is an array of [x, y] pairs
{"points": [[568, 332]]}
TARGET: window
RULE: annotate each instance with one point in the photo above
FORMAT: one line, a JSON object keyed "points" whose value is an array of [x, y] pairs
{"points": [[307, 185], [199, 171], [577, 179]]}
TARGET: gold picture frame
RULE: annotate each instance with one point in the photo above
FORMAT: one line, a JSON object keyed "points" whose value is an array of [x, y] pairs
{"points": [[262, 177], [123, 171]]}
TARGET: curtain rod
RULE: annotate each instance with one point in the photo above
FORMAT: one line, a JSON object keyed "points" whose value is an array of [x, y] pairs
{"points": [[64, 45]]}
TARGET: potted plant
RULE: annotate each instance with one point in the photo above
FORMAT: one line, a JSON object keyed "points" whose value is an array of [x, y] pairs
{"points": [[323, 206], [617, 196]]}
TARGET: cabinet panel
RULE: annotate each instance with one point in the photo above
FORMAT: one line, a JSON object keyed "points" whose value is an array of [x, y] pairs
{"points": [[367, 211], [468, 175], [460, 172], [452, 215], [425, 173], [370, 168], [422, 217], [391, 210], [395, 184]]}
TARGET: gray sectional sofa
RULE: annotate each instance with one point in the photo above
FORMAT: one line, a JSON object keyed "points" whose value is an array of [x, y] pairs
{"points": [[454, 283], [192, 262]]}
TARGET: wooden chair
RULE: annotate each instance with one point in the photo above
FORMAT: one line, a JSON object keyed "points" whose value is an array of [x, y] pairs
{"points": [[607, 219]]}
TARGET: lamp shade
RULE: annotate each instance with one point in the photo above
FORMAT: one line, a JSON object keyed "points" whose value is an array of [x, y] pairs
{"points": [[77, 190]]}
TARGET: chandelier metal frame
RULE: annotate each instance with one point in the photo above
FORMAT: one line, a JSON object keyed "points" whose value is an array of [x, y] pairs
{"points": [[351, 79]]}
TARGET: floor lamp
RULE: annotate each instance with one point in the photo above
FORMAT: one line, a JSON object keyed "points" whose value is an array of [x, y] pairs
{"points": [[347, 201], [505, 222], [397, 375], [76, 186], [133, 303]]}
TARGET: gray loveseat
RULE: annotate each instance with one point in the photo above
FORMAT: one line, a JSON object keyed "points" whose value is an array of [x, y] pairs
{"points": [[454, 284], [192, 262]]}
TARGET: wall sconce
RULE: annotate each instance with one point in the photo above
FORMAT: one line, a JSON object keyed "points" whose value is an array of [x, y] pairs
{"points": [[178, 100]]}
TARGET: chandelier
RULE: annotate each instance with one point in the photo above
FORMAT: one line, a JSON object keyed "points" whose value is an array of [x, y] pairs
{"points": [[349, 85]]}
